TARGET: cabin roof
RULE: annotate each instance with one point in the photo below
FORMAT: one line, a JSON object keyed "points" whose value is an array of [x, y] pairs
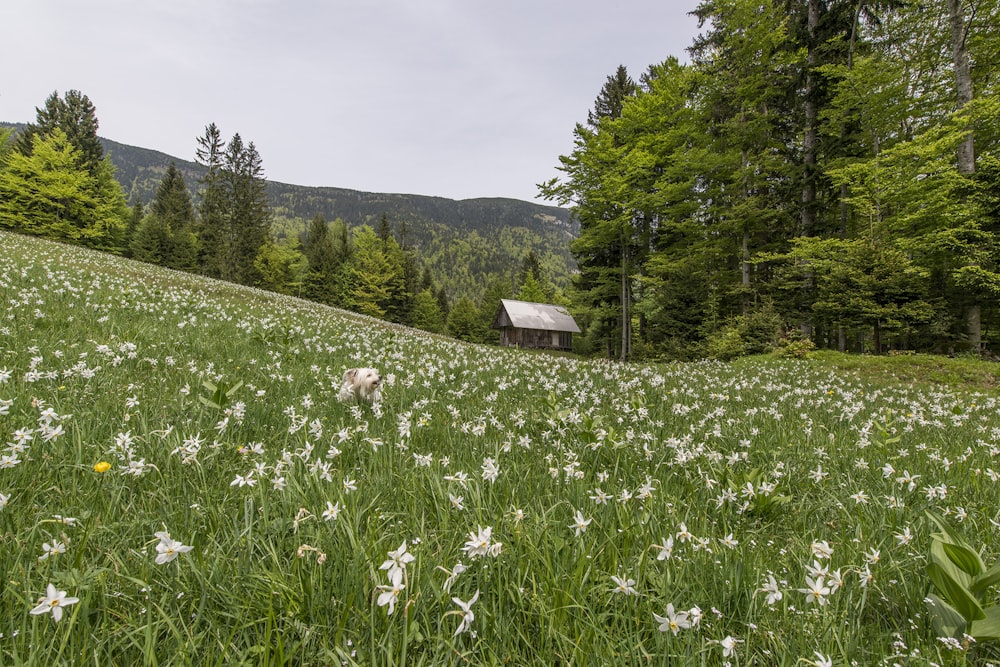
{"points": [[527, 315]]}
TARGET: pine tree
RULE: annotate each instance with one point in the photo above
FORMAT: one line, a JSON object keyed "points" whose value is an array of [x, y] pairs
{"points": [[175, 213], [76, 116], [370, 275], [465, 323], [136, 215], [323, 262], [426, 313], [211, 226]]}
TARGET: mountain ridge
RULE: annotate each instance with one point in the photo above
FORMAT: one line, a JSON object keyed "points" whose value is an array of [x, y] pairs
{"points": [[465, 242]]}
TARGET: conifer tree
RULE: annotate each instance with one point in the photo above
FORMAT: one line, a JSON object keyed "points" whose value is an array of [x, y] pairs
{"points": [[211, 226], [175, 213], [370, 275], [49, 192], [76, 116], [426, 313], [323, 262], [465, 322]]}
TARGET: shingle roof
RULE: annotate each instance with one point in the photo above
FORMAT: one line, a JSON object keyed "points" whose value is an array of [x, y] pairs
{"points": [[526, 315]]}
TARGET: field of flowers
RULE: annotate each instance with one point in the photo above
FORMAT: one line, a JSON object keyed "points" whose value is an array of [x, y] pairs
{"points": [[179, 484]]}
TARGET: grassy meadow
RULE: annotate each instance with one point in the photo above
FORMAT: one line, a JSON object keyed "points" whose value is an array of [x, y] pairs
{"points": [[175, 460]]}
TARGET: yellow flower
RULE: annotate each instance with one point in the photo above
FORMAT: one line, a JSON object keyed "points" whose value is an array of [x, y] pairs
{"points": [[102, 466]]}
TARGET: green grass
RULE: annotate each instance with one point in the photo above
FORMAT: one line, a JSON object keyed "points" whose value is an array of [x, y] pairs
{"points": [[120, 353], [925, 370]]}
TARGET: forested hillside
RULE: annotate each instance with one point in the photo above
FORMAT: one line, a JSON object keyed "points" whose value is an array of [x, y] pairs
{"points": [[464, 243], [825, 170]]}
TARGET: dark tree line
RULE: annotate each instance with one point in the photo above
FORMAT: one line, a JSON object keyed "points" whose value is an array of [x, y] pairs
{"points": [[822, 171]]}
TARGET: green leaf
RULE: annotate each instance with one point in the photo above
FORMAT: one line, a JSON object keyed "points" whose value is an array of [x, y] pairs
{"points": [[946, 621], [939, 556], [988, 627], [955, 593], [965, 558], [986, 579]]}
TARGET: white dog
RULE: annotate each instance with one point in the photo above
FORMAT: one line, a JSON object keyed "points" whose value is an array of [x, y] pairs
{"points": [[361, 384]]}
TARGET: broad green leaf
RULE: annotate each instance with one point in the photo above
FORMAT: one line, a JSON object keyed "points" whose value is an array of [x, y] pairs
{"points": [[946, 621], [955, 593], [965, 558], [986, 579], [989, 627], [939, 556]]}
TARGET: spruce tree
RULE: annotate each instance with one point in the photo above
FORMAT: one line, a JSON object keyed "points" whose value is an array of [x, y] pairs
{"points": [[173, 208], [211, 226], [76, 116], [323, 263]]}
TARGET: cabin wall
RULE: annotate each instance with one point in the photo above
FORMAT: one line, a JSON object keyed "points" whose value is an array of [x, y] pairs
{"points": [[536, 338]]}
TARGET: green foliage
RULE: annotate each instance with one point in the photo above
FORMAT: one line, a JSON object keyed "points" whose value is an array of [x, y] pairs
{"points": [[807, 156], [50, 193], [280, 267], [962, 582], [426, 313], [466, 323], [372, 279]]}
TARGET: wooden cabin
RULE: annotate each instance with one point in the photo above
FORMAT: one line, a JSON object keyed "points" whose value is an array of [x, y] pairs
{"points": [[535, 325]]}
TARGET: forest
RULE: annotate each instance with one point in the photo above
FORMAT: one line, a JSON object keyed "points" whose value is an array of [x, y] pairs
{"points": [[444, 271], [821, 173], [817, 173]]}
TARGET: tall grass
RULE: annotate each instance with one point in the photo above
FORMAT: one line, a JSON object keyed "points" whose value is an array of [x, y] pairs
{"points": [[694, 482]]}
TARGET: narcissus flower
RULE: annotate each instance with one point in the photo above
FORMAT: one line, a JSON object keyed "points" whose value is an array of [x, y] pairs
{"points": [[168, 548], [54, 601]]}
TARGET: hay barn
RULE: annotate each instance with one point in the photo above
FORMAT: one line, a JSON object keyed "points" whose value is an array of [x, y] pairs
{"points": [[535, 325]]}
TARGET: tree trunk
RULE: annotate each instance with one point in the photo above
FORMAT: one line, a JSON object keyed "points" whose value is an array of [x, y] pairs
{"points": [[966, 150], [626, 313], [808, 217], [963, 82]]}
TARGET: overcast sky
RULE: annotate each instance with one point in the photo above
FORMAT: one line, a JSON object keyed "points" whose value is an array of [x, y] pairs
{"points": [[450, 98]]}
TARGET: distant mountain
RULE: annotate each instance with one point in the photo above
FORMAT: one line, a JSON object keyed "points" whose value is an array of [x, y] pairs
{"points": [[464, 242]]}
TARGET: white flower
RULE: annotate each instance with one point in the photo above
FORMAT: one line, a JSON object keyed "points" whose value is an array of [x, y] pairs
{"points": [[331, 511], [904, 537], [467, 615], [396, 564], [623, 585], [822, 549], [54, 601], [480, 543], [666, 549], [580, 523], [815, 591], [822, 660], [674, 621], [53, 549], [682, 533], [729, 646], [452, 576], [390, 594], [4, 499], [771, 588], [490, 470], [168, 548]]}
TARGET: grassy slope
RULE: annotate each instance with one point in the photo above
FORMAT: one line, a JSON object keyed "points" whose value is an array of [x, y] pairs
{"points": [[119, 352]]}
